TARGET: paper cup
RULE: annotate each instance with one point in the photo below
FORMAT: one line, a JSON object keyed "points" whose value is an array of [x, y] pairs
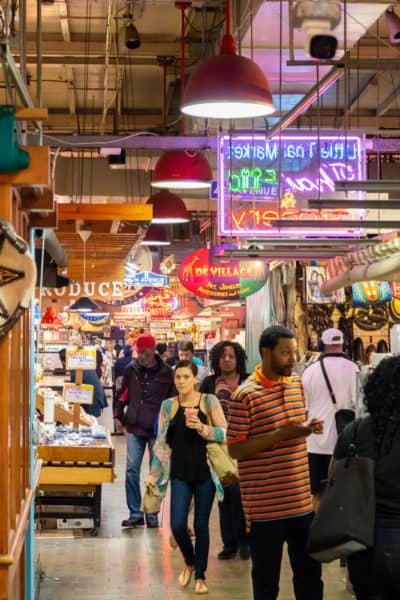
{"points": [[190, 412]]}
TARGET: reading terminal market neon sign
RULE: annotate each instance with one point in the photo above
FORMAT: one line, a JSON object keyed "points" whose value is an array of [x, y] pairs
{"points": [[249, 190]]}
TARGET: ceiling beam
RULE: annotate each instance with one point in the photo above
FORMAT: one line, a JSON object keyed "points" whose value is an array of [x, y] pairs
{"points": [[73, 48], [63, 8], [105, 212], [388, 101], [360, 92], [69, 77]]}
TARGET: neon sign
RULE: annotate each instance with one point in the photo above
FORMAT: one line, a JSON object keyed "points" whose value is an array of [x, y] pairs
{"points": [[249, 168]]}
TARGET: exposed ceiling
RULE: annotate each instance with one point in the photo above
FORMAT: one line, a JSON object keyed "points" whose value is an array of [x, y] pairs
{"points": [[92, 86]]}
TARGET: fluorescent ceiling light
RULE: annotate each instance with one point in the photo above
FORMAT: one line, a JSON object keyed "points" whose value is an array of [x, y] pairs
{"points": [[354, 203], [293, 224], [291, 254], [307, 241], [370, 185]]}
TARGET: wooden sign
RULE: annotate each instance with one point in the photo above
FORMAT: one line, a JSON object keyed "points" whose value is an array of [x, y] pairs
{"points": [[78, 394], [82, 358]]}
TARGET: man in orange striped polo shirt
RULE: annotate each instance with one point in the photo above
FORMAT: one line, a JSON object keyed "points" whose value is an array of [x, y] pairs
{"points": [[267, 434]]}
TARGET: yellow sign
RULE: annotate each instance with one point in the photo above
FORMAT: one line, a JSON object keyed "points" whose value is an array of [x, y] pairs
{"points": [[78, 394], [82, 358]]}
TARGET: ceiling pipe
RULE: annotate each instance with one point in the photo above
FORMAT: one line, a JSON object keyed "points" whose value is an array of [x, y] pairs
{"points": [[54, 249], [316, 91]]}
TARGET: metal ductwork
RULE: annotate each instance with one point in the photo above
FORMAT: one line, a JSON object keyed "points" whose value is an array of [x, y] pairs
{"points": [[53, 247]]}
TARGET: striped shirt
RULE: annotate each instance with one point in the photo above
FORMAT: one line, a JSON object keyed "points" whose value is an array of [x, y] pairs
{"points": [[274, 483]]}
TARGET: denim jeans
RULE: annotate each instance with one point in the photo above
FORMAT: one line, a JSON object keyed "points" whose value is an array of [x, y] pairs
{"points": [[267, 539], [231, 519], [181, 496], [135, 447], [375, 573]]}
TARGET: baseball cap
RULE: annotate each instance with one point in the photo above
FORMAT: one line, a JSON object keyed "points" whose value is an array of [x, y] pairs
{"points": [[144, 341], [332, 336]]}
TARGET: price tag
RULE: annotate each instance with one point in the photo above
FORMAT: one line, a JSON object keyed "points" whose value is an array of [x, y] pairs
{"points": [[78, 394], [81, 358]]}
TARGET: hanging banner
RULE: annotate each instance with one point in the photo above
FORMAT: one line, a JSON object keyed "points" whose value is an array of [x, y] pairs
{"points": [[263, 180], [160, 304], [147, 278], [207, 274]]}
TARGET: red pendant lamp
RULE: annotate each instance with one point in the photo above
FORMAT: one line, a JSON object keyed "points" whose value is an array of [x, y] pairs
{"points": [[168, 208], [156, 235], [182, 169], [228, 86]]}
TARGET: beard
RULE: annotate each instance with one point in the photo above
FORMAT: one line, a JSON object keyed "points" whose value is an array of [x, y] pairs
{"points": [[283, 370]]}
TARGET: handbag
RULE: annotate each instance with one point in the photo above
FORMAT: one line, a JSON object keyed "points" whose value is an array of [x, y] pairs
{"points": [[344, 416], [221, 461], [223, 464], [345, 521], [151, 501]]}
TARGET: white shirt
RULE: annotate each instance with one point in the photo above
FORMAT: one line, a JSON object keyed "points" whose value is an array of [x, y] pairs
{"points": [[342, 375]]}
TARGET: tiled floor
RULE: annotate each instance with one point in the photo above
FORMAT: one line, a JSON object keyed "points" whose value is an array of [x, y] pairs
{"points": [[140, 565]]}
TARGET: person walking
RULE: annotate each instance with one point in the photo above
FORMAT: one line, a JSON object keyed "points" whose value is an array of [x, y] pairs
{"points": [[228, 364], [146, 382], [375, 573], [187, 422], [266, 434], [341, 373]]}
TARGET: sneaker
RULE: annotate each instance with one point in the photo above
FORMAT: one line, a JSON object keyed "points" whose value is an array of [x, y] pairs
{"points": [[227, 554], [133, 522], [244, 551], [152, 523]]}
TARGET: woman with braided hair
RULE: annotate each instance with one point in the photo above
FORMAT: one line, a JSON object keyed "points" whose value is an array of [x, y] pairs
{"points": [[228, 364], [375, 573]]}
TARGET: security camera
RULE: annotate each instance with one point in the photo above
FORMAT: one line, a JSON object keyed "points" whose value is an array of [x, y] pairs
{"points": [[317, 19]]}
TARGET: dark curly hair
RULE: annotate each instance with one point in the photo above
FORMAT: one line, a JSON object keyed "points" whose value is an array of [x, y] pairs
{"points": [[217, 351], [382, 398]]}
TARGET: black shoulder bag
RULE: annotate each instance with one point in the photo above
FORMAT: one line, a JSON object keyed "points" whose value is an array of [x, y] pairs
{"points": [[344, 416], [345, 521]]}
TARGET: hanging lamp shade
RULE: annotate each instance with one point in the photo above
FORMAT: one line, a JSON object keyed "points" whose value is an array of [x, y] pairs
{"points": [[84, 304], [228, 86], [182, 169], [168, 208], [156, 235]]}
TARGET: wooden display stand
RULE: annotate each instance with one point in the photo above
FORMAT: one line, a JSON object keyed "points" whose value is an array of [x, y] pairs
{"points": [[62, 414], [72, 476]]}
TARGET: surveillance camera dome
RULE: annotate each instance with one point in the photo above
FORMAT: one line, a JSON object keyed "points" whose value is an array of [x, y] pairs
{"points": [[317, 19], [322, 46], [320, 43]]}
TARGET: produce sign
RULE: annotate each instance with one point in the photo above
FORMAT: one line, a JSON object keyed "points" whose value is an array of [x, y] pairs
{"points": [[260, 181], [205, 273], [78, 394], [81, 358]]}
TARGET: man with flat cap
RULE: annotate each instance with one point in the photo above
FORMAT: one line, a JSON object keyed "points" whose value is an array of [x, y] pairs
{"points": [[329, 386], [147, 381]]}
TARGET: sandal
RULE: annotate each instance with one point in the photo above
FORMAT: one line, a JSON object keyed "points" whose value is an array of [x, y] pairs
{"points": [[185, 576], [201, 587]]}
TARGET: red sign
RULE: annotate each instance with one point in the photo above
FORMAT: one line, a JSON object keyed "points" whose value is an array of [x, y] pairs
{"points": [[160, 304]]}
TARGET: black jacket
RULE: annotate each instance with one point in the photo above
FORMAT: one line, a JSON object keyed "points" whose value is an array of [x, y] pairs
{"points": [[147, 388]]}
